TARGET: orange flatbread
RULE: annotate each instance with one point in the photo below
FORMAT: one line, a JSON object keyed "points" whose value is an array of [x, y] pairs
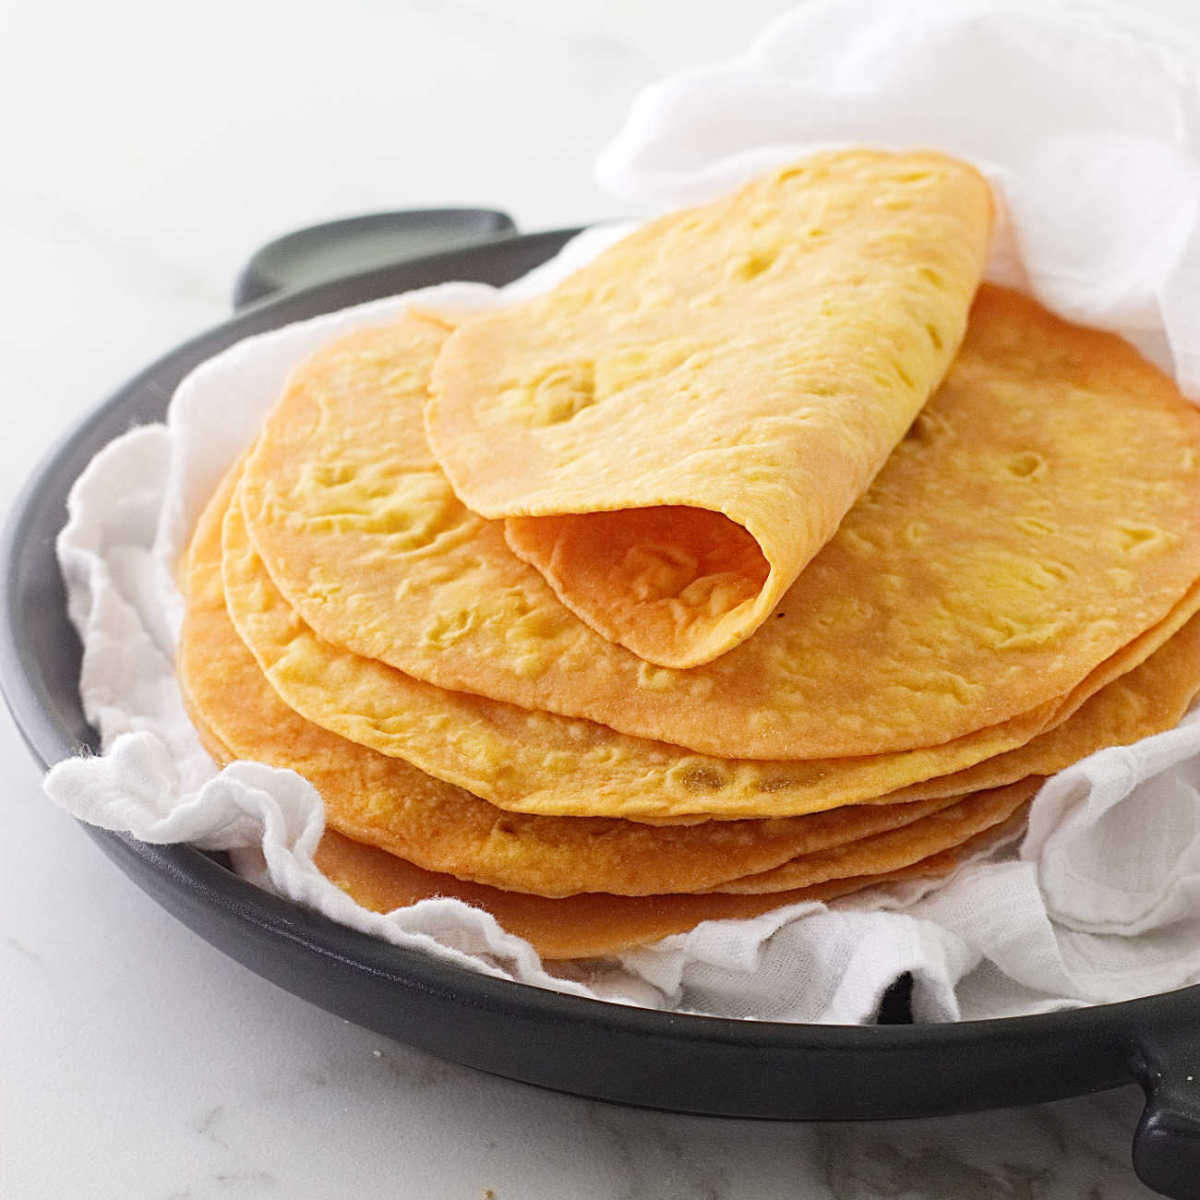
{"points": [[952, 826], [1041, 516], [678, 427], [585, 925], [389, 803], [595, 925], [547, 764]]}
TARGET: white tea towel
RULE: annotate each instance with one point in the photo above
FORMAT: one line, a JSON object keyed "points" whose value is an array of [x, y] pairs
{"points": [[1091, 137]]}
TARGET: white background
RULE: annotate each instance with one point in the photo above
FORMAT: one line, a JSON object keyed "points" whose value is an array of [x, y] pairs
{"points": [[145, 150]]}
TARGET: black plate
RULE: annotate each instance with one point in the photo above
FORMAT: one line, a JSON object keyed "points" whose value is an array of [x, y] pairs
{"points": [[660, 1060]]}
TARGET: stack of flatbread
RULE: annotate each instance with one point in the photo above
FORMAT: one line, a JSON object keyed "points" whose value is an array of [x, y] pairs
{"points": [[767, 557]]}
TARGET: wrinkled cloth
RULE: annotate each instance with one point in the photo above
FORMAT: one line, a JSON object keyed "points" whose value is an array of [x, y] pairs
{"points": [[1090, 136]]}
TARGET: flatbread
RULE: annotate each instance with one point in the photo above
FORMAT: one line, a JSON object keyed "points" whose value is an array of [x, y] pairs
{"points": [[1040, 515], [1151, 698], [543, 763], [679, 426], [388, 803], [595, 925], [587, 925], [886, 852]]}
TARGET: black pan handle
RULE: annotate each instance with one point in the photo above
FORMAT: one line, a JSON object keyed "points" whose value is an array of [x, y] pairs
{"points": [[1166, 1147], [337, 248]]}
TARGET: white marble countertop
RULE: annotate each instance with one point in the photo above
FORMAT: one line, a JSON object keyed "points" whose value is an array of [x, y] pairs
{"points": [[148, 150]]}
